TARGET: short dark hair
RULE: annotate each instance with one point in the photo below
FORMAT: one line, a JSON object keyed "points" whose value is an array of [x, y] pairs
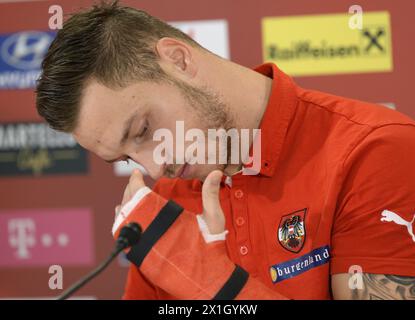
{"points": [[109, 43]]}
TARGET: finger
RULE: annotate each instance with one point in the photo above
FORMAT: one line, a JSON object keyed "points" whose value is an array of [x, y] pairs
{"points": [[136, 181], [212, 210]]}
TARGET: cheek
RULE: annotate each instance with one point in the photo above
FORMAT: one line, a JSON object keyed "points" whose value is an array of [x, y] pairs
{"points": [[167, 115], [146, 149], [176, 121]]}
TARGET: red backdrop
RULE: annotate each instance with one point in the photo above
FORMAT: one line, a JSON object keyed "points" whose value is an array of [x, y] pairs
{"points": [[99, 189]]}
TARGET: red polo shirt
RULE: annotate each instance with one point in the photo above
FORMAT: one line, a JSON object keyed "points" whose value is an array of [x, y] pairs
{"points": [[336, 189]]}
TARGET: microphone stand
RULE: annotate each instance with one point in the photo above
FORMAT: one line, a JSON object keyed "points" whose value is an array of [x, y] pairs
{"points": [[129, 236]]}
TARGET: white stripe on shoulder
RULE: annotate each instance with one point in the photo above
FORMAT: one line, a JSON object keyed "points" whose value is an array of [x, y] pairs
{"points": [[129, 206]]}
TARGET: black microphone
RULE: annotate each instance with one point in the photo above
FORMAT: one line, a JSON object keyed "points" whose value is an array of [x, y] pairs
{"points": [[129, 236]]}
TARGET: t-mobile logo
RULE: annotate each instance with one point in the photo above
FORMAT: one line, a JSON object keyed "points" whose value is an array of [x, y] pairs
{"points": [[42, 237], [22, 236]]}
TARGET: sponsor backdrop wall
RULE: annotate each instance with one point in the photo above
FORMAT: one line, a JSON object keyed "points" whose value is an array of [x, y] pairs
{"points": [[57, 200]]}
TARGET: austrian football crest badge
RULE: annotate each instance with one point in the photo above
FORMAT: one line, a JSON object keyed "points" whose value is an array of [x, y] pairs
{"points": [[291, 231]]}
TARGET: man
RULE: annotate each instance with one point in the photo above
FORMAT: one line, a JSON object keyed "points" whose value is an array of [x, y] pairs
{"points": [[335, 189]]}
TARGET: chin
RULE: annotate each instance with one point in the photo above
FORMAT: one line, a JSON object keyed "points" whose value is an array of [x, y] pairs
{"points": [[202, 176]]}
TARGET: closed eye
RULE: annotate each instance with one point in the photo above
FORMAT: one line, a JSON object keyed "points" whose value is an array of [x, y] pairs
{"points": [[142, 133]]}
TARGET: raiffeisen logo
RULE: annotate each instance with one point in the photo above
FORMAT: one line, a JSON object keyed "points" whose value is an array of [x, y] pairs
{"points": [[326, 44], [21, 55], [372, 43]]}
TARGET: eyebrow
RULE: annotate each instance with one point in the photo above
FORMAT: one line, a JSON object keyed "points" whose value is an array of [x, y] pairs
{"points": [[126, 133]]}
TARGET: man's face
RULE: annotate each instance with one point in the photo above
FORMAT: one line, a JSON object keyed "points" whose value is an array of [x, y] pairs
{"points": [[118, 124]]}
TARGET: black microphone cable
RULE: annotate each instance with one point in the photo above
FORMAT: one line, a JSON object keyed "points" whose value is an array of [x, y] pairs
{"points": [[129, 236]]}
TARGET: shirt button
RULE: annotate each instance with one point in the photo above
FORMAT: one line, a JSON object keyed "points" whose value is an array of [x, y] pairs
{"points": [[239, 194], [243, 250], [240, 221]]}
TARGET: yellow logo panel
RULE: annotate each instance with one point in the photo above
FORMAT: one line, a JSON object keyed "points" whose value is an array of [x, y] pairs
{"points": [[325, 44]]}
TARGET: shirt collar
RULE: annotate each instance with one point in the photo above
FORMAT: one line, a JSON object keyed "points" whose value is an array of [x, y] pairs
{"points": [[274, 125], [279, 112]]}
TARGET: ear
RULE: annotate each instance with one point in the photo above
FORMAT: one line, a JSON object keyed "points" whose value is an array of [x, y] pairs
{"points": [[176, 57]]}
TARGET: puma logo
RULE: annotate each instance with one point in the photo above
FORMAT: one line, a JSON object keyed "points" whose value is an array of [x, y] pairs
{"points": [[389, 216]]}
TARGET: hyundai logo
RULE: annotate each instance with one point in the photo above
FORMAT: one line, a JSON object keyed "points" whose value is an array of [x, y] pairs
{"points": [[25, 50]]}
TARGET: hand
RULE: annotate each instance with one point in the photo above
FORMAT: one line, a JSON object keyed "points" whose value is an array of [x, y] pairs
{"points": [[212, 210], [134, 184], [182, 261]]}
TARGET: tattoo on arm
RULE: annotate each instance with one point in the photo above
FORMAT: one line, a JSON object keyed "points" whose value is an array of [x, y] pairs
{"points": [[385, 287]]}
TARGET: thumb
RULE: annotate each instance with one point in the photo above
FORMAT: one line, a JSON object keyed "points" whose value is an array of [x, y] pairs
{"points": [[212, 210], [136, 182]]}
